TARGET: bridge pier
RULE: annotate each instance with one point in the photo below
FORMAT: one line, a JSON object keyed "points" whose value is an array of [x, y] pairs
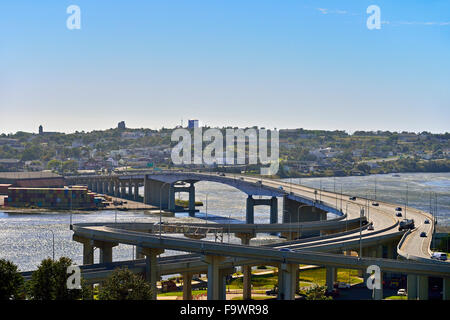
{"points": [[192, 200], [411, 286], [422, 287], [106, 254], [294, 211], [130, 190], [215, 277], [116, 188], [187, 286], [378, 293], [246, 270], [287, 274], [151, 268], [446, 289], [88, 249], [250, 208], [159, 193], [123, 191], [136, 191], [331, 277]]}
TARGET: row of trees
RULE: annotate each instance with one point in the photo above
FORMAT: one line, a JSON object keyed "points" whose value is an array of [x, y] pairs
{"points": [[49, 282]]}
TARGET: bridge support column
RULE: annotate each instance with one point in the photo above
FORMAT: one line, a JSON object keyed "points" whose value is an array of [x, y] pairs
{"points": [[390, 250], [330, 277], [446, 289], [274, 210], [88, 253], [378, 293], [99, 186], [105, 187], [215, 283], [151, 268], [250, 210], [187, 286], [146, 190], [422, 287], [136, 191], [116, 188], [111, 187], [139, 254], [287, 281], [411, 286], [88, 249], [246, 270], [123, 190], [380, 251], [191, 200], [106, 255], [130, 190], [171, 201]]}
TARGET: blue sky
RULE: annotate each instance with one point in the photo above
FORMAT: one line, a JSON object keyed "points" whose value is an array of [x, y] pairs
{"points": [[283, 64]]}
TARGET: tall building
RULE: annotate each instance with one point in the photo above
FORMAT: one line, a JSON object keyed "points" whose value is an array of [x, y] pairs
{"points": [[192, 124], [121, 125]]}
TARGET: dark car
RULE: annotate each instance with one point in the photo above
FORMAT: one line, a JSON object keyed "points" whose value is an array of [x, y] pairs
{"points": [[398, 209], [398, 214], [352, 198], [423, 234], [426, 221]]}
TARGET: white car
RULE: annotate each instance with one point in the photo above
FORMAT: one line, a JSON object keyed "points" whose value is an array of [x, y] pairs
{"points": [[439, 256], [401, 292]]}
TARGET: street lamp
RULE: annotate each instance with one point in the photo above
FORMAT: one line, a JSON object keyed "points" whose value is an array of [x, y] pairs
{"points": [[206, 208]]}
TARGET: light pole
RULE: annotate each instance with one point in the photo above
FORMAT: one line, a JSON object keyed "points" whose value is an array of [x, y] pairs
{"points": [[206, 208]]}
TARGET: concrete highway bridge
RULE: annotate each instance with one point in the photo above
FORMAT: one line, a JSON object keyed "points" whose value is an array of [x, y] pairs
{"points": [[311, 238]]}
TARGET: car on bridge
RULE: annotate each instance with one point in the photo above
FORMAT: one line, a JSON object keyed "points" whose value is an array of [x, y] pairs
{"points": [[352, 198], [375, 204], [439, 256], [286, 250], [426, 221], [370, 227], [406, 224], [398, 214], [398, 209], [423, 234]]}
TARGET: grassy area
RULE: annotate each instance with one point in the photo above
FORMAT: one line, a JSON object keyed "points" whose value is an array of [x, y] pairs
{"points": [[254, 298], [396, 298], [180, 293]]}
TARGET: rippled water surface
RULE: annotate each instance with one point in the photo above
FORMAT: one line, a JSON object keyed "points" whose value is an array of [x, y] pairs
{"points": [[26, 239]]}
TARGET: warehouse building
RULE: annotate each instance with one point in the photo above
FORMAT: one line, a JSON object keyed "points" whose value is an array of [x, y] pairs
{"points": [[42, 179]]}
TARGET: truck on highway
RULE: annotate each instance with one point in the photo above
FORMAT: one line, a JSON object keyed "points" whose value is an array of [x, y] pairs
{"points": [[406, 224]]}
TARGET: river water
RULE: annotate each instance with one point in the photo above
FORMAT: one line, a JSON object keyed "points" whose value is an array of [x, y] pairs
{"points": [[27, 239]]}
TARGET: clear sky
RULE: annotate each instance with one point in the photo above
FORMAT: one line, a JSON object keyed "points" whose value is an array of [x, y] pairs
{"points": [[279, 63]]}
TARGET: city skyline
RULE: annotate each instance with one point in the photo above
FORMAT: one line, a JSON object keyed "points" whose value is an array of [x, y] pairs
{"points": [[308, 64]]}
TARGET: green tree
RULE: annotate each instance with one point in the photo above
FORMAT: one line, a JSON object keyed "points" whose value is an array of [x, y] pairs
{"points": [[69, 166], [11, 281], [54, 165], [317, 293], [125, 285], [49, 281]]}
